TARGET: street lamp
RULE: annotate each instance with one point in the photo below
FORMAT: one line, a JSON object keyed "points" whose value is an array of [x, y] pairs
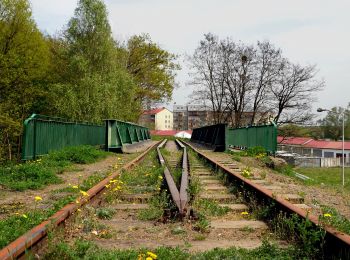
{"points": [[343, 119]]}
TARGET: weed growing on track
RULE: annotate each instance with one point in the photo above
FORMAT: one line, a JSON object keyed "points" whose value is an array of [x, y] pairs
{"points": [[210, 208], [194, 187], [202, 225], [82, 249], [144, 175], [105, 213], [307, 237], [156, 208], [36, 174], [330, 216]]}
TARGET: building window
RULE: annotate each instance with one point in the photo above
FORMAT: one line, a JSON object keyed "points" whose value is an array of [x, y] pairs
{"points": [[328, 154]]}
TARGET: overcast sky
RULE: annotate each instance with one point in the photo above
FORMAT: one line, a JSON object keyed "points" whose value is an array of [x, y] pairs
{"points": [[307, 31]]}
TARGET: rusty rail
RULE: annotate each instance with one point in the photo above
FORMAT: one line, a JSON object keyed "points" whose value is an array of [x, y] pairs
{"points": [[335, 241], [179, 197], [18, 247], [184, 179]]}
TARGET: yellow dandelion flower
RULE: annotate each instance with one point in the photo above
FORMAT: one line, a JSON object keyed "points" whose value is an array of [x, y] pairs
{"points": [[327, 215], [160, 177], [107, 186], [149, 258], [140, 256], [112, 181], [24, 216], [244, 213], [75, 187], [152, 255], [84, 193], [38, 198]]}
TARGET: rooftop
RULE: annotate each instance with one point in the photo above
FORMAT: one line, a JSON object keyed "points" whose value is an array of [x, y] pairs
{"points": [[153, 111], [311, 143]]}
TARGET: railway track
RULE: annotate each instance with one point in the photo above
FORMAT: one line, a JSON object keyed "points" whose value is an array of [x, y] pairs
{"points": [[177, 195]]}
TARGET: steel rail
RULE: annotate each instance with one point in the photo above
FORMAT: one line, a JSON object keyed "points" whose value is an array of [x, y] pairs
{"points": [[18, 247], [174, 192], [184, 198], [180, 197], [334, 240]]}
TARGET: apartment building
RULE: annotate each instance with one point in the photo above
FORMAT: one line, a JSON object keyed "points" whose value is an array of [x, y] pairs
{"points": [[157, 119]]}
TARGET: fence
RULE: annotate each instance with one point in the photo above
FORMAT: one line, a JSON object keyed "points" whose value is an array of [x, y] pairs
{"points": [[251, 136], [43, 134], [221, 137], [320, 162], [213, 135], [120, 133]]}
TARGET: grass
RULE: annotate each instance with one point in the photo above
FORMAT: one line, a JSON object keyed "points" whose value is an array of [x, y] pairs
{"points": [[157, 204], [16, 225], [162, 137], [210, 208], [143, 174], [331, 216], [36, 174], [105, 213], [81, 249], [331, 177]]}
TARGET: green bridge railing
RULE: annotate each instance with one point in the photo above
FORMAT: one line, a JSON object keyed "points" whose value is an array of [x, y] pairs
{"points": [[43, 134], [120, 134], [221, 137]]}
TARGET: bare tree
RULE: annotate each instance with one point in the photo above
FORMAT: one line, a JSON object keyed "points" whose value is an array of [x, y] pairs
{"points": [[236, 78], [205, 61], [267, 68], [293, 93]]}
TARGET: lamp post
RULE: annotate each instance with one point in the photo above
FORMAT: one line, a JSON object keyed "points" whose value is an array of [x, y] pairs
{"points": [[343, 133]]}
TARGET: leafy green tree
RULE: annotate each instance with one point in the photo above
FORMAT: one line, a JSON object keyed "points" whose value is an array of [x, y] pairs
{"points": [[93, 83], [23, 64], [294, 130], [153, 69], [332, 123]]}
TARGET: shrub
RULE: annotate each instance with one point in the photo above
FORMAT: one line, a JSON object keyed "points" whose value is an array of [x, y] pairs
{"points": [[254, 151], [78, 154], [32, 175]]}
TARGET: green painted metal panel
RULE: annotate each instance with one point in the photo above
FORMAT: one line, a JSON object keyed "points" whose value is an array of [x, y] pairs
{"points": [[246, 137], [213, 135], [126, 134], [43, 134], [221, 137]]}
